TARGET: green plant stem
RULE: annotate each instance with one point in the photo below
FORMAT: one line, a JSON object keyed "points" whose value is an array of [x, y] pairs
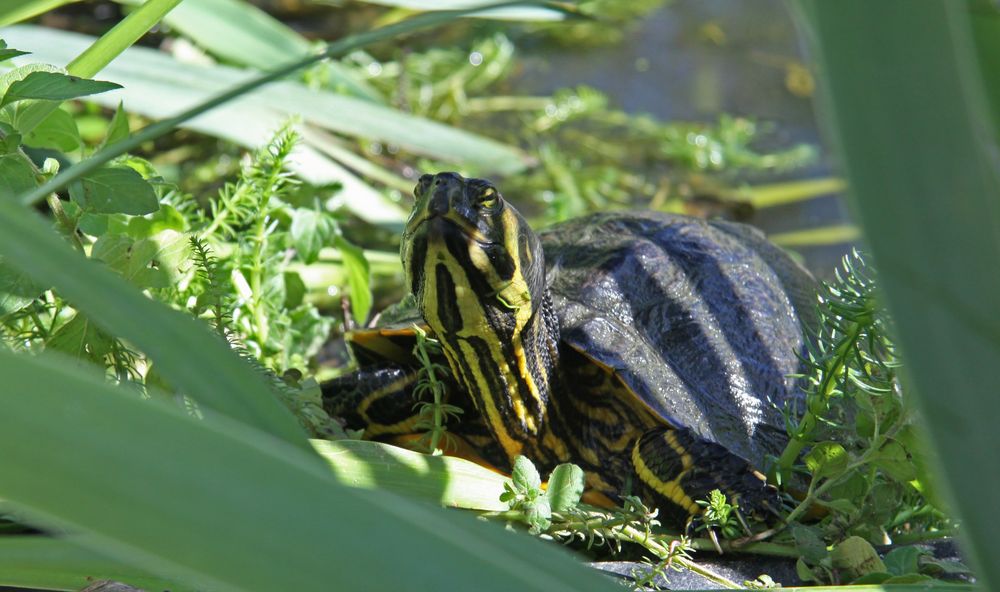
{"points": [[332, 50], [755, 548], [437, 390], [909, 538], [622, 530], [832, 370], [814, 491], [259, 238], [506, 103], [69, 228]]}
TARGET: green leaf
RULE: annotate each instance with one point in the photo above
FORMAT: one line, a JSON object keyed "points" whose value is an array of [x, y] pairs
{"points": [[80, 339], [841, 505], [115, 190], [165, 218], [93, 224], [566, 484], [358, 277], [539, 514], [117, 129], [826, 459], [6, 54], [18, 175], [904, 560], [525, 476], [54, 86], [16, 290], [309, 232], [855, 557], [58, 131], [804, 572], [809, 543], [892, 459], [295, 289], [147, 263], [10, 138], [234, 508]]}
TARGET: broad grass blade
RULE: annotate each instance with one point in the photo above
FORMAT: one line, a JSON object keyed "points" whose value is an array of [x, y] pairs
{"points": [[223, 506], [192, 358], [904, 102]]}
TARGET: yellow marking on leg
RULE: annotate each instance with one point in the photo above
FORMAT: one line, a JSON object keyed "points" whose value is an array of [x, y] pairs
{"points": [[393, 387], [671, 439], [671, 490], [407, 426]]}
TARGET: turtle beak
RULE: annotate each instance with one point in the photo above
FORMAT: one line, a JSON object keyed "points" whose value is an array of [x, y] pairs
{"points": [[444, 196]]}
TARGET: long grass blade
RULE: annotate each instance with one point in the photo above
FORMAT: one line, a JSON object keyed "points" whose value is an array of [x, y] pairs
{"points": [[15, 11], [904, 102], [215, 378], [511, 13], [44, 563], [241, 33], [445, 480], [222, 506]]}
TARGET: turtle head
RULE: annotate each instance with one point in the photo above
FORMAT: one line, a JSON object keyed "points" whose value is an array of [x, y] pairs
{"points": [[464, 229], [478, 274]]}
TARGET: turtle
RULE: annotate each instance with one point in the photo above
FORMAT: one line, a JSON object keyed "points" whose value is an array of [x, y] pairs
{"points": [[655, 351]]}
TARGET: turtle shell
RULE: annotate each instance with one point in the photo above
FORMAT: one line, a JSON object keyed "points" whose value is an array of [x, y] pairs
{"points": [[702, 320]]}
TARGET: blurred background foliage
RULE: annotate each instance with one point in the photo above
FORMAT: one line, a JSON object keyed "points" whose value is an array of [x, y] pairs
{"points": [[461, 97]]}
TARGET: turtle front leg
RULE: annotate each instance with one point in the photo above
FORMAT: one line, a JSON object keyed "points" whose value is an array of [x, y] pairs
{"points": [[379, 399], [675, 468]]}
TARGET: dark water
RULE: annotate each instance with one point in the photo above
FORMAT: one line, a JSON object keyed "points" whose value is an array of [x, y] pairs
{"points": [[675, 65]]}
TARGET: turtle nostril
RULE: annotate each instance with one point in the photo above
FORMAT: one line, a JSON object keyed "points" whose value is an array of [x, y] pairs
{"points": [[423, 184], [439, 202]]}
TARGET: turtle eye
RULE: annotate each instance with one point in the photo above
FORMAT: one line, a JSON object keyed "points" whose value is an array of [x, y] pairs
{"points": [[488, 198]]}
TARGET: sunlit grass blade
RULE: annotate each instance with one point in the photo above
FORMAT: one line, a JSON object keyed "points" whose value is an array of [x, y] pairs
{"points": [[15, 11], [38, 562], [512, 13], [98, 54], [904, 102], [812, 237], [787, 192], [223, 506], [446, 480], [216, 378], [241, 33]]}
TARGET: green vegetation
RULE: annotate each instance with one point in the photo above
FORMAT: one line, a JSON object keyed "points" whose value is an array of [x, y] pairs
{"points": [[162, 320]]}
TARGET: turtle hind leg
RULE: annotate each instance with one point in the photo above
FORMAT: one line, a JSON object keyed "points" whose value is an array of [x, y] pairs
{"points": [[676, 468]]}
